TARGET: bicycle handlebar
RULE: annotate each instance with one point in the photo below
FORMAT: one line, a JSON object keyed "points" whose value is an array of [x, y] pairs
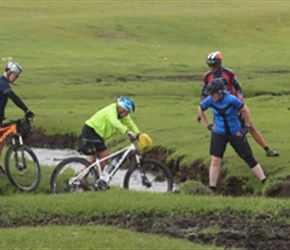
{"points": [[11, 122]]}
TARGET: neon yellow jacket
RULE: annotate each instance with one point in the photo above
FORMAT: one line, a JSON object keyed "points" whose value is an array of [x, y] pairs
{"points": [[106, 123]]}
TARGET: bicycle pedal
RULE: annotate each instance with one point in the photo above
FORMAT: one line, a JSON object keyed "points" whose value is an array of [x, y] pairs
{"points": [[101, 185]]}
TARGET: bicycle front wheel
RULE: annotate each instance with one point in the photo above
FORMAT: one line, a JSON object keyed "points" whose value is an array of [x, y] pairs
{"points": [[150, 175], [63, 177], [22, 167]]}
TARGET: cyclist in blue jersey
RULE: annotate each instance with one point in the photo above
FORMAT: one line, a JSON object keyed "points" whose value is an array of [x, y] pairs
{"points": [[11, 74], [227, 128], [214, 61]]}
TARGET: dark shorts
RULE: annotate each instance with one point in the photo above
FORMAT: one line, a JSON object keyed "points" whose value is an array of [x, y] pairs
{"points": [[219, 143], [90, 133]]}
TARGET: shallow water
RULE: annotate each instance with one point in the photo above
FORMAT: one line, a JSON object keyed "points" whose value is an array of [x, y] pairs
{"points": [[51, 157]]}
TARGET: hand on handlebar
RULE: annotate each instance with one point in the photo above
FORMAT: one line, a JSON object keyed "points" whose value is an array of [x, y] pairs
{"points": [[131, 134], [29, 115]]}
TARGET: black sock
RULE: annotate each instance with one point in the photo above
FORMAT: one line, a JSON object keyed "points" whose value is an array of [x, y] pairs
{"points": [[264, 181], [212, 188], [266, 148]]}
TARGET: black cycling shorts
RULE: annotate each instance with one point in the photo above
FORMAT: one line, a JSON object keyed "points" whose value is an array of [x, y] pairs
{"points": [[90, 133], [219, 142]]}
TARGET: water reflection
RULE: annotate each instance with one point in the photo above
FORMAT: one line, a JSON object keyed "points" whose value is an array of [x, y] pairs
{"points": [[51, 157]]}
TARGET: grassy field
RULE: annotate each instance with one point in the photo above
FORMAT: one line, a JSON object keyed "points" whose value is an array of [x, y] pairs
{"points": [[79, 56]]}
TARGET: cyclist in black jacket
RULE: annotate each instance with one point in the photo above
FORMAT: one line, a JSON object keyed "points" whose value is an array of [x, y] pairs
{"points": [[11, 74]]}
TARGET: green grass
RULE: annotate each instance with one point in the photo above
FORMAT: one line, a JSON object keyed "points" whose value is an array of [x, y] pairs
{"points": [[89, 237], [112, 202], [73, 54], [66, 47]]}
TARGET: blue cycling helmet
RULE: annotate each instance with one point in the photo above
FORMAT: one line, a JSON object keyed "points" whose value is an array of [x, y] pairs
{"points": [[14, 67], [126, 103]]}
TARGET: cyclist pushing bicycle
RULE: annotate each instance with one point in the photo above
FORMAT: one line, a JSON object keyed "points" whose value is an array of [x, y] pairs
{"points": [[11, 74], [106, 122], [77, 174]]}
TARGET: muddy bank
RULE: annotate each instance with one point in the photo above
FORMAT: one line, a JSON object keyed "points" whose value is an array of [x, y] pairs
{"points": [[228, 185], [226, 228]]}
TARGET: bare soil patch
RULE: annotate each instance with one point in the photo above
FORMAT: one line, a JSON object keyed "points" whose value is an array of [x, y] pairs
{"points": [[226, 229]]}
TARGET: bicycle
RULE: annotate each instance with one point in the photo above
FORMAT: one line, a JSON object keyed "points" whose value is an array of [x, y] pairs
{"points": [[144, 175], [21, 164]]}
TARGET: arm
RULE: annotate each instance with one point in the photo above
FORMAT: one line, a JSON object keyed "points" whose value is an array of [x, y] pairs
{"points": [[203, 116], [201, 111], [246, 115], [203, 95], [17, 101], [128, 122], [204, 84], [238, 89]]}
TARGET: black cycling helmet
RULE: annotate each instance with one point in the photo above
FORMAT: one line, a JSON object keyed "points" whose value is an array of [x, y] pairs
{"points": [[215, 86], [214, 58]]}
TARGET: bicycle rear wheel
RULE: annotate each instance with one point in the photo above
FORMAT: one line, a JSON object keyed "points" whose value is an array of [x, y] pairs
{"points": [[66, 170], [22, 167], [150, 175]]}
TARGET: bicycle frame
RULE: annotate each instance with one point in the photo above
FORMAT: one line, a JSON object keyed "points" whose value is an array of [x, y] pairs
{"points": [[108, 176], [11, 129]]}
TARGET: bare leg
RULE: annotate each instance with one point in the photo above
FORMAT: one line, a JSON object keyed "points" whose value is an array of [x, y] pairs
{"points": [[102, 155], [257, 136], [260, 140], [258, 171], [93, 159], [214, 170]]}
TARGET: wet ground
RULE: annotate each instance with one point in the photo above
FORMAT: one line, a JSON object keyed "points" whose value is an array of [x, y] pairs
{"points": [[227, 228]]}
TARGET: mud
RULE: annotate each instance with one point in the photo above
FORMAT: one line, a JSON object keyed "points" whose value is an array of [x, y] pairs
{"points": [[228, 185], [226, 228]]}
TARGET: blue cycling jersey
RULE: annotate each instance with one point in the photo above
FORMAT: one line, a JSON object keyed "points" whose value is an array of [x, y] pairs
{"points": [[225, 112]]}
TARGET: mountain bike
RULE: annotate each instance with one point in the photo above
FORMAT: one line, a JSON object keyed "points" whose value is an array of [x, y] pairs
{"points": [[144, 175], [21, 164]]}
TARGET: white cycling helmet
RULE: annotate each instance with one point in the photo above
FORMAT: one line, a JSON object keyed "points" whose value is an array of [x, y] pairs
{"points": [[126, 103], [14, 67]]}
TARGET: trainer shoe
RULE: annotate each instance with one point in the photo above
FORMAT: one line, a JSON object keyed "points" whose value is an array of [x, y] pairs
{"points": [[272, 152], [85, 186], [2, 172]]}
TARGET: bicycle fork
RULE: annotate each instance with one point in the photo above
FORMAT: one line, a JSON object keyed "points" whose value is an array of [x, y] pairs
{"points": [[145, 180], [21, 166]]}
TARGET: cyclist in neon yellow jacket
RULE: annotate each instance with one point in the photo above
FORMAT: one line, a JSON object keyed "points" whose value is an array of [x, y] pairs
{"points": [[107, 121]]}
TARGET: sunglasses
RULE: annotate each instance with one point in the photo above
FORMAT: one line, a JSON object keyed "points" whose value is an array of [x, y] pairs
{"points": [[213, 65]]}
